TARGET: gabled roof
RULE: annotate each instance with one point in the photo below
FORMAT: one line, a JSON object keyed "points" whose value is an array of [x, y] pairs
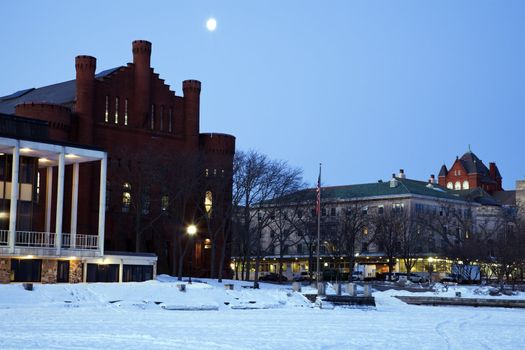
{"points": [[443, 171], [378, 189], [63, 93], [473, 164]]}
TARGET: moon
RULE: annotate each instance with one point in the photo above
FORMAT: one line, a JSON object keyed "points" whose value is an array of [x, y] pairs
{"points": [[211, 24]]}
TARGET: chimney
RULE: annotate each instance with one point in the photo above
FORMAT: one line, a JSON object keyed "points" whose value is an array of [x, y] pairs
{"points": [[492, 170], [432, 179], [142, 75], [402, 174], [85, 96], [393, 181]]}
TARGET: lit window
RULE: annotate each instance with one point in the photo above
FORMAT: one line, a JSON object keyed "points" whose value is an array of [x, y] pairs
{"points": [[152, 120], [126, 197], [457, 185], [206, 172], [465, 185], [38, 186], [126, 112], [106, 113], [207, 243], [116, 110], [169, 120], [450, 185], [161, 117], [208, 202], [365, 231], [164, 203]]}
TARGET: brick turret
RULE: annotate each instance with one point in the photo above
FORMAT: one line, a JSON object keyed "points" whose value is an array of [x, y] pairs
{"points": [[192, 91], [85, 97], [141, 61]]}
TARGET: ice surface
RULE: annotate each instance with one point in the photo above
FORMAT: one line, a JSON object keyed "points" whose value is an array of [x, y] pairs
{"points": [[142, 316]]}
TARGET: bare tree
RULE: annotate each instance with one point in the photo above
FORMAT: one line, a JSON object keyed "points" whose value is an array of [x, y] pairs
{"points": [[258, 183], [344, 239], [387, 228], [503, 237], [454, 225]]}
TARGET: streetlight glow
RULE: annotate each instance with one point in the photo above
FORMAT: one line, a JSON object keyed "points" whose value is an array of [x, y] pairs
{"points": [[191, 230]]}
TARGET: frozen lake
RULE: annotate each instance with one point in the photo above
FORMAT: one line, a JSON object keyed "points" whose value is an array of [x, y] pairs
{"points": [[126, 317]]}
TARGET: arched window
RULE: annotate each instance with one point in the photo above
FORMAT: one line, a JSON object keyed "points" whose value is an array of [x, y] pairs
{"points": [[208, 202], [450, 186], [457, 185], [465, 185]]}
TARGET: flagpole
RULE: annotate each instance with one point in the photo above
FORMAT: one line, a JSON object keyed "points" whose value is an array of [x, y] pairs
{"points": [[318, 209]]}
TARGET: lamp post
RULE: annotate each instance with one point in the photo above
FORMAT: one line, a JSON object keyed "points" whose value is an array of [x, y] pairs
{"points": [[430, 268], [191, 230]]}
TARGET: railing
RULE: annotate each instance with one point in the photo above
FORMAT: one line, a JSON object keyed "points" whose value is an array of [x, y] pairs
{"points": [[35, 239], [82, 241], [4, 234], [47, 240]]}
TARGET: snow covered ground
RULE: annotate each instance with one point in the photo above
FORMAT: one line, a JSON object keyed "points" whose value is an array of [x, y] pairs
{"points": [[148, 316]]}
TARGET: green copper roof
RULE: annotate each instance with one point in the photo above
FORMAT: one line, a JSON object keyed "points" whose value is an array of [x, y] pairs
{"points": [[377, 189]]}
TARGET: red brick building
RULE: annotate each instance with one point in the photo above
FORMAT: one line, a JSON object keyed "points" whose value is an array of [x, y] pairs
{"points": [[469, 172], [150, 134]]}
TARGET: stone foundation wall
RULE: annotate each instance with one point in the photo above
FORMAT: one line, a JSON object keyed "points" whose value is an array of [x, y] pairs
{"points": [[75, 271], [49, 271], [5, 270]]}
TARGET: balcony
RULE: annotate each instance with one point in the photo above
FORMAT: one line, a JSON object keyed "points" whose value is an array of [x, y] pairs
{"points": [[44, 244]]}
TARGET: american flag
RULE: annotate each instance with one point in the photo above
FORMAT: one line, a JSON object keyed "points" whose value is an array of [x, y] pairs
{"points": [[318, 191]]}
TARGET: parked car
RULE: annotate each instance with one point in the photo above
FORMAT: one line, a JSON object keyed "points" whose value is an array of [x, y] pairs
{"points": [[452, 277], [412, 277], [303, 276], [415, 278], [273, 277]]}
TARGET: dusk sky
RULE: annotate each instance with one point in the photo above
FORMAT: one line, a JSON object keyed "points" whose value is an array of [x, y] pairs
{"points": [[365, 87]]}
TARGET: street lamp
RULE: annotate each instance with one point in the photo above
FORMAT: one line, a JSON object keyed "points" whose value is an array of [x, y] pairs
{"points": [[430, 268], [191, 230]]}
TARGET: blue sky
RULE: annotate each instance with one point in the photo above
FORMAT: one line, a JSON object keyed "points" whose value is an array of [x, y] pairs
{"points": [[365, 87]]}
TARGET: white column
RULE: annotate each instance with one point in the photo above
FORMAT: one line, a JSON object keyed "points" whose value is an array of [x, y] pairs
{"points": [[84, 271], [60, 201], [49, 198], [74, 206], [121, 271], [102, 203], [14, 197]]}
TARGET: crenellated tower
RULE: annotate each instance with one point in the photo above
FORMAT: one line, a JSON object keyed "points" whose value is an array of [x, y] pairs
{"points": [[85, 97], [142, 79], [192, 92]]}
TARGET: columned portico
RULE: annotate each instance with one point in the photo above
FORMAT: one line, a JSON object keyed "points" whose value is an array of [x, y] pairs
{"points": [[53, 242]]}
